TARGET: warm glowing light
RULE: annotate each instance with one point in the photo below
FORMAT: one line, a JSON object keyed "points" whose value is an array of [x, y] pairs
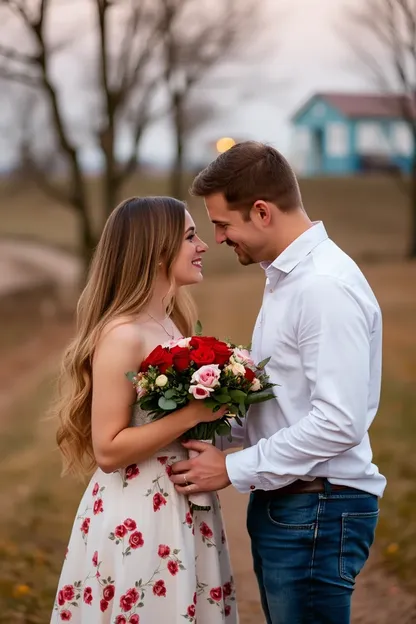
{"points": [[224, 144]]}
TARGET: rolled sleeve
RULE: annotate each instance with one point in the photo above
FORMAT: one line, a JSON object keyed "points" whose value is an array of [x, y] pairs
{"points": [[333, 331]]}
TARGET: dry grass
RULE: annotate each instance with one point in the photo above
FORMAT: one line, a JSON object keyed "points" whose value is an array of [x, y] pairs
{"points": [[366, 218]]}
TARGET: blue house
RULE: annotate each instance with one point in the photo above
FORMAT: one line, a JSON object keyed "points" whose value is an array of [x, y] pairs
{"points": [[346, 134]]}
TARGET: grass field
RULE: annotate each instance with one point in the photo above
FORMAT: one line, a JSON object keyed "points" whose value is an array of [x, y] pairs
{"points": [[368, 219]]}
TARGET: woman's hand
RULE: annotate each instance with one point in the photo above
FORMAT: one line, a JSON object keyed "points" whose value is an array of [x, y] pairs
{"points": [[203, 413]]}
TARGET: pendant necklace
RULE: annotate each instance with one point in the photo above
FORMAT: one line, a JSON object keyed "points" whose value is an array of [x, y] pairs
{"points": [[171, 336]]}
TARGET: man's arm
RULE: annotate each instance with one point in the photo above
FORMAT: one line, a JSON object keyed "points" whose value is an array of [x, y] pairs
{"points": [[334, 344]]}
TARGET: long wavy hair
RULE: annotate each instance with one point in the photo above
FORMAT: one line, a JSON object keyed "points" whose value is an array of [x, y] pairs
{"points": [[138, 235]]}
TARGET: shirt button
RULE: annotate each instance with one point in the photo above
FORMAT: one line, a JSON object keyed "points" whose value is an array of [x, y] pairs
{"points": [[270, 290], [252, 487]]}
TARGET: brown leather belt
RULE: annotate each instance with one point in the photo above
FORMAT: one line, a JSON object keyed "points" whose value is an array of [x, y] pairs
{"points": [[301, 487]]}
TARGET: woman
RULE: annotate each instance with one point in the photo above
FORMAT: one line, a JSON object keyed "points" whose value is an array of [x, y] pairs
{"points": [[136, 554]]}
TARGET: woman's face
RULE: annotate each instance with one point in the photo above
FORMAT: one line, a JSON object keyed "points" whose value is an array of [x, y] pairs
{"points": [[187, 268]]}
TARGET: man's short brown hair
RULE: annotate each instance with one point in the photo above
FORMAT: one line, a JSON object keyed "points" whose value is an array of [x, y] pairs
{"points": [[247, 172]]}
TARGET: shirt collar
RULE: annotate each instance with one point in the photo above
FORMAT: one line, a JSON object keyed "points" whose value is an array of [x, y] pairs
{"points": [[298, 250]]}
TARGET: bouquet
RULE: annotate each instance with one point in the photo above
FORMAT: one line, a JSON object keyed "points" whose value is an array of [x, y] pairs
{"points": [[206, 369]]}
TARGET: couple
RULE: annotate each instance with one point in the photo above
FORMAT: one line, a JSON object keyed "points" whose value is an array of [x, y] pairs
{"points": [[136, 554]]}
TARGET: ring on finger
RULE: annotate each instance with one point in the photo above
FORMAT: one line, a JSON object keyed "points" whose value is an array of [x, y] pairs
{"points": [[185, 480]]}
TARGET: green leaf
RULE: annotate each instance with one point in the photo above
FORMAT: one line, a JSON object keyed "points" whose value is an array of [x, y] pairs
{"points": [[131, 376], [210, 403], [236, 395], [198, 328], [223, 428], [169, 394], [167, 404], [242, 407], [223, 398], [259, 397], [263, 363]]}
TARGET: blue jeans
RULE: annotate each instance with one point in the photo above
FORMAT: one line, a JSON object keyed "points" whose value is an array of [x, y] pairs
{"points": [[307, 551]]}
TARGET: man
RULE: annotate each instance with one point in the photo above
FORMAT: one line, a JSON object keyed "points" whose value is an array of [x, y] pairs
{"points": [[307, 458]]}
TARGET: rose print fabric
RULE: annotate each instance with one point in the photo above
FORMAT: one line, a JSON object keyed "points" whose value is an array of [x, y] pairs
{"points": [[136, 555]]}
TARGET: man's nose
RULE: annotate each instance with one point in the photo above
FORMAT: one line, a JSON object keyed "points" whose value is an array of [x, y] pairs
{"points": [[220, 237]]}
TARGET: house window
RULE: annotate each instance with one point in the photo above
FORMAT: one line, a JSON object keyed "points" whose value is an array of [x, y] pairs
{"points": [[402, 140], [337, 139], [372, 139]]}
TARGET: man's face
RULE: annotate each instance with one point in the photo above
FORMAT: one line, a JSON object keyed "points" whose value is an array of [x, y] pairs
{"points": [[231, 228]]}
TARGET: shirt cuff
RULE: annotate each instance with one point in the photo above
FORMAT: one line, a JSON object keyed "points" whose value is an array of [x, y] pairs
{"points": [[242, 471]]}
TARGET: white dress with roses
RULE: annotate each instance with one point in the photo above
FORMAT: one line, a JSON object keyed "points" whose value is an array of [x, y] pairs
{"points": [[136, 555]]}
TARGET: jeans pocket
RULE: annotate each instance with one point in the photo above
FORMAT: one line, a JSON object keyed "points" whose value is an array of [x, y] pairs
{"points": [[294, 513], [357, 536]]}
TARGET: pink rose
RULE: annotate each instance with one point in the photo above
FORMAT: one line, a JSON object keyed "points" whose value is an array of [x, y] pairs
{"points": [[242, 356], [108, 592], [61, 598], [191, 611], [207, 376], [132, 594], [216, 593], [200, 392], [103, 605], [66, 615], [68, 592], [134, 619], [120, 531], [95, 490], [95, 559], [173, 567], [136, 540], [88, 595], [120, 619]]}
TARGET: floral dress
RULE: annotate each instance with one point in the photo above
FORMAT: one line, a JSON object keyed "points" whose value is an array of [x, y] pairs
{"points": [[136, 555]]}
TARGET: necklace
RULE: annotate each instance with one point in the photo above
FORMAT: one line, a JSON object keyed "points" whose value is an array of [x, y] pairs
{"points": [[171, 336]]}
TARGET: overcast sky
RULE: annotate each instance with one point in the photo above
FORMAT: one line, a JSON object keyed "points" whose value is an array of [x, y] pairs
{"points": [[304, 55]]}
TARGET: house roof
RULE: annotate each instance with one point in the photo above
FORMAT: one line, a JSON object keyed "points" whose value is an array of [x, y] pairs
{"points": [[358, 105]]}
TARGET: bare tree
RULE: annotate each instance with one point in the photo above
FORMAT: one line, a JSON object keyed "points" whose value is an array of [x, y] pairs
{"points": [[197, 38], [125, 39], [382, 35]]}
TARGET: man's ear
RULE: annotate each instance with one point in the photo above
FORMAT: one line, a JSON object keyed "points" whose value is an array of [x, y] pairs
{"points": [[261, 212]]}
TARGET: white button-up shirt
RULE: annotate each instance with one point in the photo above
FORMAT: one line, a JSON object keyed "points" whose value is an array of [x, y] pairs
{"points": [[321, 324]]}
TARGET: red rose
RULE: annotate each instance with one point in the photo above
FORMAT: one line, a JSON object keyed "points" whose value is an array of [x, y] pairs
{"points": [[158, 501], [205, 530], [181, 358], [132, 471], [134, 619], [173, 567], [216, 593], [95, 559], [98, 506], [191, 611], [227, 610], [129, 524], [103, 605], [66, 615], [163, 459], [163, 551], [120, 531], [222, 353], [108, 592], [132, 594], [203, 355], [120, 619], [95, 490], [249, 375], [159, 588], [227, 589], [126, 603], [88, 595], [188, 519], [222, 537], [68, 592], [61, 599], [85, 526], [205, 341], [136, 540], [160, 357], [195, 598], [169, 470]]}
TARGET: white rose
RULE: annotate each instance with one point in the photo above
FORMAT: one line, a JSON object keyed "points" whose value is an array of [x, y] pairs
{"points": [[256, 385], [161, 381], [184, 342], [238, 370]]}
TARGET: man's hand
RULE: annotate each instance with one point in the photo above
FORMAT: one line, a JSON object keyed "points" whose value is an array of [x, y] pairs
{"points": [[205, 473]]}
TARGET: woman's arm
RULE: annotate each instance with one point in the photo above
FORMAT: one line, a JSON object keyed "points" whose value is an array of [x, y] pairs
{"points": [[115, 444]]}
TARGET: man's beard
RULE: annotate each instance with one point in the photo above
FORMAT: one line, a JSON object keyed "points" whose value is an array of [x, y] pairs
{"points": [[243, 257]]}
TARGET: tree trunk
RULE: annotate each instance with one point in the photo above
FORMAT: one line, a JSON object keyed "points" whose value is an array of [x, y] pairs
{"points": [[87, 244], [177, 184]]}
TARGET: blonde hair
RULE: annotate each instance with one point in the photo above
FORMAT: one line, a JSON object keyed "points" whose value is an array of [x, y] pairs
{"points": [[138, 234]]}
